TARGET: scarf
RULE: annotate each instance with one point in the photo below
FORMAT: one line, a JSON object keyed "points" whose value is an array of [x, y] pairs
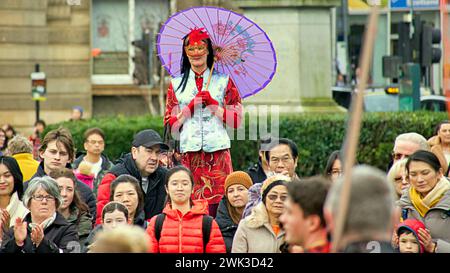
{"points": [[46, 223], [424, 204]]}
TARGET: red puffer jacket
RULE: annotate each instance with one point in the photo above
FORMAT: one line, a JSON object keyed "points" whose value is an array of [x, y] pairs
{"points": [[103, 195], [183, 233]]}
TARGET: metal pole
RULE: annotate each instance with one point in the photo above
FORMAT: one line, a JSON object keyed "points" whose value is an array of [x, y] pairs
{"points": [[388, 32], [345, 26], [36, 69], [389, 19]]}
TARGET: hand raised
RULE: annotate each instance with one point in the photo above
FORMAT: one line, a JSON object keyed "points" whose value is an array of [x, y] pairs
{"points": [[426, 240], [20, 231], [4, 222], [37, 235]]}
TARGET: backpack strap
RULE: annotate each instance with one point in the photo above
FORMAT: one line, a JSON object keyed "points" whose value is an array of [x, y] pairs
{"points": [[404, 214], [158, 225], [206, 230]]}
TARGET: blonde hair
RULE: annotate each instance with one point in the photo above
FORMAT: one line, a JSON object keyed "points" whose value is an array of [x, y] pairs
{"points": [[123, 239], [85, 168], [395, 169], [19, 144]]}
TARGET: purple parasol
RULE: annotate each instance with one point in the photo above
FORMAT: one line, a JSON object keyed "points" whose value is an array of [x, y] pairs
{"points": [[242, 49]]}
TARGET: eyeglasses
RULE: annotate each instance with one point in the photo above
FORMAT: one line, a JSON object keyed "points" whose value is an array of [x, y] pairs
{"points": [[40, 198], [93, 142], [398, 156], [276, 160], [274, 197], [400, 179], [335, 173]]}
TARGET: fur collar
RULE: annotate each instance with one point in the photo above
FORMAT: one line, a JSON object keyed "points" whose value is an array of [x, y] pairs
{"points": [[258, 217]]}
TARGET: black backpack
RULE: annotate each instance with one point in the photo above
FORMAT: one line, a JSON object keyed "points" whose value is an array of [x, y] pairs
{"points": [[206, 228]]}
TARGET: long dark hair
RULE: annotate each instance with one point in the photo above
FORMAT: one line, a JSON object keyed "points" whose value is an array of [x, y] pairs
{"points": [[14, 169], [425, 157], [186, 65], [331, 159], [173, 171], [113, 206], [5, 143], [438, 127], [76, 202]]}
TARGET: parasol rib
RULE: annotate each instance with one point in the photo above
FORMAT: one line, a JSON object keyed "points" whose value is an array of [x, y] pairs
{"points": [[211, 24], [232, 38], [207, 30]]}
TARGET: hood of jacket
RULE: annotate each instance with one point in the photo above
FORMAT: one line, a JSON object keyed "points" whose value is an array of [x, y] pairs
{"points": [[412, 225], [199, 207], [127, 165], [258, 217], [223, 217]]}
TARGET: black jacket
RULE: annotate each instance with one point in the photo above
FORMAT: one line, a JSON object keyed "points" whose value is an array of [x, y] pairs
{"points": [[155, 197], [59, 236], [138, 221], [226, 225], [90, 238], [369, 247], [86, 193], [106, 166], [257, 173]]}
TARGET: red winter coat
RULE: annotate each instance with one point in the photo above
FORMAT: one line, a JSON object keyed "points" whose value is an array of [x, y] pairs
{"points": [[103, 195], [183, 233]]}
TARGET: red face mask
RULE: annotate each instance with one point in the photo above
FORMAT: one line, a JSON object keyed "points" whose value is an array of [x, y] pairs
{"points": [[197, 47], [197, 50]]}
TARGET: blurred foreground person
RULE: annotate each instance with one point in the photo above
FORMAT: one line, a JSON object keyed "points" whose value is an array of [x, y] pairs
{"points": [[122, 239], [371, 214], [303, 218]]}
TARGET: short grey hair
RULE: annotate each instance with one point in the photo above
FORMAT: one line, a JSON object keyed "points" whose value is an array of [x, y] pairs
{"points": [[19, 144], [48, 184], [414, 138], [371, 202]]}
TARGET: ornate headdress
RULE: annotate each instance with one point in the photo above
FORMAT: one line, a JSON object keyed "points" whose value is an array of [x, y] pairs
{"points": [[196, 35]]}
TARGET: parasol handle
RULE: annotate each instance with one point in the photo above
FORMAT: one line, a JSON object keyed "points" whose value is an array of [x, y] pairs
{"points": [[210, 74]]}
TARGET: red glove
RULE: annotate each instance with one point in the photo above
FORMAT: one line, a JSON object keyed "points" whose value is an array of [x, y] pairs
{"points": [[207, 99], [189, 109], [172, 120]]}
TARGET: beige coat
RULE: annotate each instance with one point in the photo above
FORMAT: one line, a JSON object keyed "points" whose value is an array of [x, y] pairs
{"points": [[255, 234], [437, 219], [436, 149], [16, 209]]}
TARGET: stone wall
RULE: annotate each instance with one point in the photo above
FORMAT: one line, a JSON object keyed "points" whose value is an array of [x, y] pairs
{"points": [[301, 33], [55, 35]]}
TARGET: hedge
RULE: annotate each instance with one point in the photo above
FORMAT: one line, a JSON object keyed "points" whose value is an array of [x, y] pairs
{"points": [[316, 135]]}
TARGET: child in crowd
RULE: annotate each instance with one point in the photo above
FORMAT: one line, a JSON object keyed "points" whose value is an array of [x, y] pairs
{"points": [[84, 174], [408, 238]]}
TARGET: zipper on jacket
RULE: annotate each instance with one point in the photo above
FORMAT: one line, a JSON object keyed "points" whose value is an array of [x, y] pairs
{"points": [[179, 234]]}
